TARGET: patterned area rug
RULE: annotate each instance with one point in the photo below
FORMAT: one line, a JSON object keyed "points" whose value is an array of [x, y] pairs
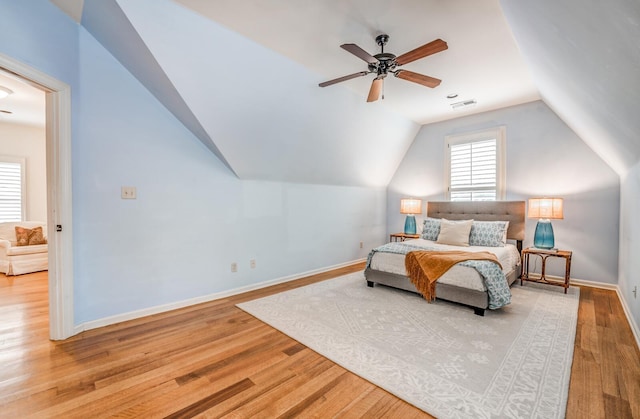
{"points": [[514, 362]]}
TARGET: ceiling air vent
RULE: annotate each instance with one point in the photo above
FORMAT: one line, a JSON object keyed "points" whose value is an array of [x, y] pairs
{"points": [[464, 104]]}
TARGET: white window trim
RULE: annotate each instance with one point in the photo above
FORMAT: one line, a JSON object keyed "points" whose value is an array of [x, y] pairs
{"points": [[500, 134], [23, 180]]}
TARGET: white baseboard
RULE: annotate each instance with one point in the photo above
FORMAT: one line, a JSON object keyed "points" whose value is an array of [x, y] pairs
{"points": [[592, 284], [634, 326], [106, 321]]}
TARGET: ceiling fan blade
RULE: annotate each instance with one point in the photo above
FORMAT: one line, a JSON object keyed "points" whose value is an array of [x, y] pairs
{"points": [[374, 92], [360, 53], [418, 78], [343, 78], [423, 51]]}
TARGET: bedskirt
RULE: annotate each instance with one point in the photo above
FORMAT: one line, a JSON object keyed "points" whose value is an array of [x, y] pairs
{"points": [[479, 300]]}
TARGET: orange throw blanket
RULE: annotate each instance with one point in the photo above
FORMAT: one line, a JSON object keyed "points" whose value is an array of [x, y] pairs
{"points": [[425, 267]]}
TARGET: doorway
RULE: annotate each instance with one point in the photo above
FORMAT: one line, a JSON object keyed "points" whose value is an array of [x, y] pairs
{"points": [[59, 217]]}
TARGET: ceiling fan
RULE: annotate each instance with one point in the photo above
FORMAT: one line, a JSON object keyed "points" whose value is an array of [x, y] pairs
{"points": [[384, 63]]}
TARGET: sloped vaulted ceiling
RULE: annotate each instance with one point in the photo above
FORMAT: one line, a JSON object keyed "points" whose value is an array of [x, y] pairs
{"points": [[108, 24], [264, 116], [584, 57], [263, 112]]}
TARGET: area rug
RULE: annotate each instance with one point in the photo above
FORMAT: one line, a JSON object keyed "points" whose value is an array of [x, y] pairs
{"points": [[514, 362]]}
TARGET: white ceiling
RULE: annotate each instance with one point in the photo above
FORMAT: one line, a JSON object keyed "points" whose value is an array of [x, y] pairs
{"points": [[582, 59], [585, 58], [482, 62], [26, 103]]}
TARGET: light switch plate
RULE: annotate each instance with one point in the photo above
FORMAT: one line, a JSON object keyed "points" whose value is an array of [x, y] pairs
{"points": [[128, 192]]}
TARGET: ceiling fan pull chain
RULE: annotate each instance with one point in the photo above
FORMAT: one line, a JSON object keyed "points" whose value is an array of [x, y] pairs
{"points": [[382, 89]]}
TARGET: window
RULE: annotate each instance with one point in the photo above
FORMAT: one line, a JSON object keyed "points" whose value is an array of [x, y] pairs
{"points": [[11, 189], [475, 166]]}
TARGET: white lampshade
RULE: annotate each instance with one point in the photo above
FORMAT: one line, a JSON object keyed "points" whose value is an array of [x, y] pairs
{"points": [[551, 208], [4, 92], [410, 206]]}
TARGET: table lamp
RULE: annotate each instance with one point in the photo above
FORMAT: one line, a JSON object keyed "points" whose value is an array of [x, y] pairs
{"points": [[410, 207], [545, 209]]}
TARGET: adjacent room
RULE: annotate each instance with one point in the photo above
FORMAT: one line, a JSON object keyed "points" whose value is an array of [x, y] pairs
{"points": [[226, 208]]}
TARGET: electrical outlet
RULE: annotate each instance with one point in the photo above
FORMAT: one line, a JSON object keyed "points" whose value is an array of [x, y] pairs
{"points": [[361, 245], [252, 263], [234, 267], [128, 192]]}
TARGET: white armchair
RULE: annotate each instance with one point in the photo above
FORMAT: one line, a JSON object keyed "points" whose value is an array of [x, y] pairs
{"points": [[17, 260]]}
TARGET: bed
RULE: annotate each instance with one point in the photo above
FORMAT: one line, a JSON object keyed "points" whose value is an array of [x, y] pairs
{"points": [[460, 284]]}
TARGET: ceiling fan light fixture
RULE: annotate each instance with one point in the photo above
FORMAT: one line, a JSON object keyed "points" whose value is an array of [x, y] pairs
{"points": [[4, 92]]}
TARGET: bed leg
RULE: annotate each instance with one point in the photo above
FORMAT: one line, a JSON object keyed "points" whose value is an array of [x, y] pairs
{"points": [[369, 284], [478, 311]]}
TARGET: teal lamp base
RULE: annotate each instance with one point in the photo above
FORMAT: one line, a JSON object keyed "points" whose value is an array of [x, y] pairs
{"points": [[543, 238], [410, 224]]}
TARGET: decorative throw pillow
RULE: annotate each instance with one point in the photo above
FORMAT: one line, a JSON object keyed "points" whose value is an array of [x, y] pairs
{"points": [[489, 233], [37, 236], [455, 233], [431, 229], [28, 237]]}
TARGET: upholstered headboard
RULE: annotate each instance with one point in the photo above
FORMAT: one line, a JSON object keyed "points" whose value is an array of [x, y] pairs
{"points": [[512, 211]]}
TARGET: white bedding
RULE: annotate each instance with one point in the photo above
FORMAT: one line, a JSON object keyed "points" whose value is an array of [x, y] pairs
{"points": [[460, 276]]}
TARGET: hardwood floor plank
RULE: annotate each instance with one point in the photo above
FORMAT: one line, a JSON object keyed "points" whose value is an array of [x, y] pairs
{"points": [[630, 366], [266, 380], [338, 398], [298, 402], [215, 360], [279, 399], [586, 398], [615, 407], [212, 400], [362, 404], [609, 367]]}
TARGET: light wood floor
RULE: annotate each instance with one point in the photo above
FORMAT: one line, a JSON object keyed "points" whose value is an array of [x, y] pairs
{"points": [[214, 360]]}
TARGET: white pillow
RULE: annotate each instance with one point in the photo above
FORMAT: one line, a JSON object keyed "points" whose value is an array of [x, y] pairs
{"points": [[455, 233]]}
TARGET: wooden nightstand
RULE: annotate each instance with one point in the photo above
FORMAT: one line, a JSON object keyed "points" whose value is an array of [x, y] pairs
{"points": [[400, 237], [544, 254]]}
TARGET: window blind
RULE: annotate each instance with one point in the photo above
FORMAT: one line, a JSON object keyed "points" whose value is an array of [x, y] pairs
{"points": [[10, 191], [474, 171]]}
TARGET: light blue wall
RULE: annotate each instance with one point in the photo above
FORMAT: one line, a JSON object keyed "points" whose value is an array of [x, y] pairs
{"points": [[630, 242], [544, 158], [39, 34], [192, 218]]}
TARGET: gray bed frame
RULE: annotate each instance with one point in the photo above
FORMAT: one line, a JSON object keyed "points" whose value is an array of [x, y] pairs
{"points": [[512, 211]]}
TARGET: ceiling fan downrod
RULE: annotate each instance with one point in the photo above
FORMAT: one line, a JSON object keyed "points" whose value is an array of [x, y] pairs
{"points": [[382, 41]]}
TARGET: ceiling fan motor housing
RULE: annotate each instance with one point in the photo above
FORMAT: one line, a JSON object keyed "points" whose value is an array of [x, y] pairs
{"points": [[386, 63]]}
